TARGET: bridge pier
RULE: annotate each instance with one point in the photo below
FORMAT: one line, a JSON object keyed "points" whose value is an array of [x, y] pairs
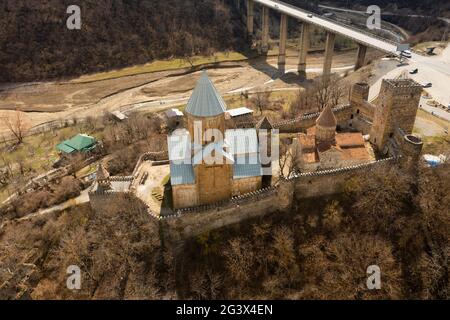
{"points": [[282, 45], [303, 52], [329, 51], [361, 56], [250, 13], [265, 30]]}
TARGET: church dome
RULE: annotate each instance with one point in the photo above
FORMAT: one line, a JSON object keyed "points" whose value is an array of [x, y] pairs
{"points": [[205, 101]]}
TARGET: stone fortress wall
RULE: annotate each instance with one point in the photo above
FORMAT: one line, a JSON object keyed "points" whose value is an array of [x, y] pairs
{"points": [[279, 198], [299, 124]]}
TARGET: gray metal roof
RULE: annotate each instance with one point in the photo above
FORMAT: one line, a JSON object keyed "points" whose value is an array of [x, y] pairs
{"points": [[205, 101], [239, 111], [181, 174], [249, 168]]}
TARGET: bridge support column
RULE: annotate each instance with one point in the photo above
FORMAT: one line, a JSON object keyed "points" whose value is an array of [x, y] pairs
{"points": [[361, 56], [238, 4], [303, 52], [250, 6], [265, 30], [329, 51], [282, 45]]}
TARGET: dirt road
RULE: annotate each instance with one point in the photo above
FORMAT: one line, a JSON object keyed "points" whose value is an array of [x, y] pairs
{"points": [[53, 101]]}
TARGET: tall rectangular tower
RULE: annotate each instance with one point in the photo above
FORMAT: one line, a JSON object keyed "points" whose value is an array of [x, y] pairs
{"points": [[397, 108]]}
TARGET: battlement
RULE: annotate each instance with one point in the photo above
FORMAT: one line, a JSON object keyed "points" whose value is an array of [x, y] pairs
{"points": [[360, 92], [236, 200], [400, 87], [368, 165], [307, 121], [402, 83]]}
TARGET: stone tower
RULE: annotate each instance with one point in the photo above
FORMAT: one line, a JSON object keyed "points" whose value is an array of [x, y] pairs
{"points": [[206, 125], [359, 94], [102, 178], [397, 108], [326, 126]]}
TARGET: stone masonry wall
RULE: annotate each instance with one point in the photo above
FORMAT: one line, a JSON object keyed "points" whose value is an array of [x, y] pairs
{"points": [[194, 221], [328, 182]]}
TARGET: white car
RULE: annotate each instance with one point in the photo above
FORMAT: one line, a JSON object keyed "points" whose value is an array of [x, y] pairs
{"points": [[406, 53], [310, 15]]}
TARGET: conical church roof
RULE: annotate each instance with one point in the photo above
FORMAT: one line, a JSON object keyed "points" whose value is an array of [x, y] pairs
{"points": [[264, 123], [102, 173], [205, 101], [326, 118]]}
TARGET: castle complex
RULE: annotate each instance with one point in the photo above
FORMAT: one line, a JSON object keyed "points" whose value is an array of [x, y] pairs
{"points": [[217, 175]]}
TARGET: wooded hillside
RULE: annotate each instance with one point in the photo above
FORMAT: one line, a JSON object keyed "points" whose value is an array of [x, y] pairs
{"points": [[35, 43]]}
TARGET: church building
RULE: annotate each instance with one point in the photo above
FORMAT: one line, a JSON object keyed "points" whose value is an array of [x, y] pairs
{"points": [[208, 163]]}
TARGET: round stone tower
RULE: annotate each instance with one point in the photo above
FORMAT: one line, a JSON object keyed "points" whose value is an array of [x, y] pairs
{"points": [[102, 178], [326, 126], [412, 149]]}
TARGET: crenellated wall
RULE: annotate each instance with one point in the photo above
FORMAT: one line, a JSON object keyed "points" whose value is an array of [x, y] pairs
{"points": [[193, 221], [189, 222], [342, 114], [328, 182]]}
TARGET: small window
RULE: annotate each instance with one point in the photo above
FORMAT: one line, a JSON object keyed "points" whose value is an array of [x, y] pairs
{"points": [[391, 135], [357, 111], [351, 117]]}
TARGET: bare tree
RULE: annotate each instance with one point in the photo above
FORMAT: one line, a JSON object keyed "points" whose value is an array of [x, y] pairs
{"points": [[321, 92], [261, 98], [337, 92], [17, 124], [240, 259], [287, 158], [327, 92]]}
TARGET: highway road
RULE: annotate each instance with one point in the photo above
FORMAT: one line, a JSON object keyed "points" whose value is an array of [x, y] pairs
{"points": [[384, 13], [332, 26]]}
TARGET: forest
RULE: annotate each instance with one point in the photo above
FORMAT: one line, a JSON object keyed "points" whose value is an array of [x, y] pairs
{"points": [[36, 44], [318, 250]]}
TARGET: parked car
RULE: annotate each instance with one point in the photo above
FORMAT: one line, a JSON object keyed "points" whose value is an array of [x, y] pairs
{"points": [[414, 71], [310, 15], [427, 85]]}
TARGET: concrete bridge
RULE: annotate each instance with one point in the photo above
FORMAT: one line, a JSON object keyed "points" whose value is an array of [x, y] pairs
{"points": [[364, 39]]}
